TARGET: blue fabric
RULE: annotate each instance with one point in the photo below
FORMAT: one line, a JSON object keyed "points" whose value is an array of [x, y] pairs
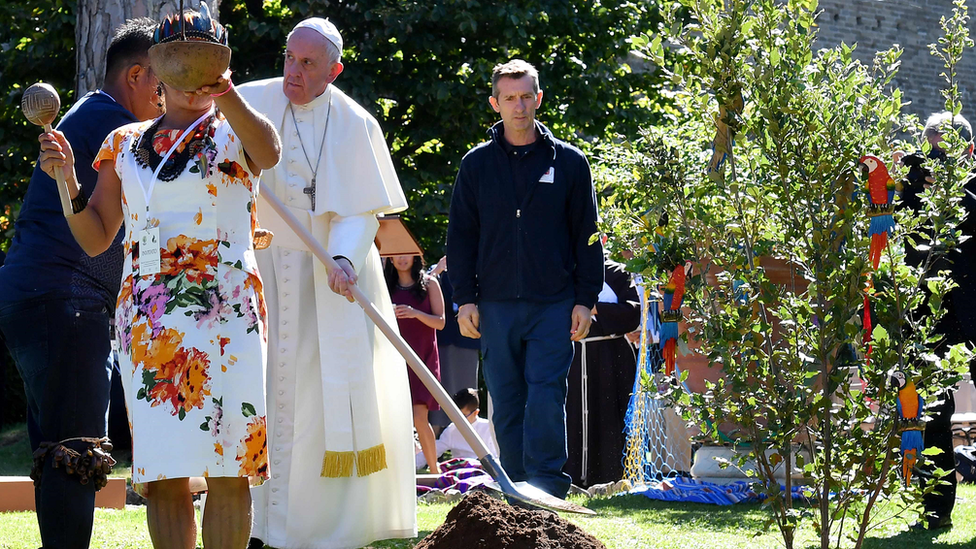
{"points": [[526, 358], [61, 349], [44, 260], [451, 334], [689, 490]]}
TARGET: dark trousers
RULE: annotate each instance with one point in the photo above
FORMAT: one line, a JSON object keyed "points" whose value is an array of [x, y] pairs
{"points": [[526, 354], [938, 433], [61, 349], [459, 370]]}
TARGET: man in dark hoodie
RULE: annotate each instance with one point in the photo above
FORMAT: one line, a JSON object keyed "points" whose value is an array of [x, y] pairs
{"points": [[524, 272]]}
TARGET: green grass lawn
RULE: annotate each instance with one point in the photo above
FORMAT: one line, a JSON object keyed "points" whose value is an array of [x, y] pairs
{"points": [[624, 522]]}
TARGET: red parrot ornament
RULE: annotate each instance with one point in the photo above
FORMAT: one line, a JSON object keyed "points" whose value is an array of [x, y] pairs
{"points": [[909, 406], [881, 191]]}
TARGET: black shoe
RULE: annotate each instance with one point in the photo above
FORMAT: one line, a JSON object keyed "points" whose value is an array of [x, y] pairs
{"points": [[255, 543]]}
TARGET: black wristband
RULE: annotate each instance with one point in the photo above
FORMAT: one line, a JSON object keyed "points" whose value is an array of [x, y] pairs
{"points": [[79, 202], [338, 257]]}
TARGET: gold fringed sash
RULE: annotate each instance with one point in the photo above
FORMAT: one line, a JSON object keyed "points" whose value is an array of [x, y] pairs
{"points": [[338, 464], [371, 460]]}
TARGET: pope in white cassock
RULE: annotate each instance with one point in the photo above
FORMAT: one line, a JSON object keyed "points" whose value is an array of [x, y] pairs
{"points": [[339, 424]]}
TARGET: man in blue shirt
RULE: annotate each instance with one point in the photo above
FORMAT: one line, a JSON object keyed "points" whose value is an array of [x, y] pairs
{"points": [[524, 272], [57, 304]]}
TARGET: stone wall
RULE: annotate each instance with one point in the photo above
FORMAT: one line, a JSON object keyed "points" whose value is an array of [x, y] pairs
{"points": [[877, 24]]}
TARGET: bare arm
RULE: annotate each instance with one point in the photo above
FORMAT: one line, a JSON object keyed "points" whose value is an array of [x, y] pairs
{"points": [[262, 147], [95, 227], [435, 319]]}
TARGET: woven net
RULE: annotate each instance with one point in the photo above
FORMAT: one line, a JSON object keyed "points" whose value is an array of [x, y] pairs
{"points": [[657, 442]]}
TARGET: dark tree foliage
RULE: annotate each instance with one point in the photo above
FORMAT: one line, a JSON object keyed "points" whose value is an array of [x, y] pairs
{"points": [[37, 40], [423, 69]]}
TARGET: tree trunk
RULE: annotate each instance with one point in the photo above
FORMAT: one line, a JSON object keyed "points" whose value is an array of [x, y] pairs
{"points": [[97, 21]]}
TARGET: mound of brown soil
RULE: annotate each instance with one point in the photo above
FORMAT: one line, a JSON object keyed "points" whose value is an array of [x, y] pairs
{"points": [[480, 521]]}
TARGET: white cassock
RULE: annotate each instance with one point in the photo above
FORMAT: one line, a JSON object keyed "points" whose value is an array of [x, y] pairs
{"points": [[338, 400]]}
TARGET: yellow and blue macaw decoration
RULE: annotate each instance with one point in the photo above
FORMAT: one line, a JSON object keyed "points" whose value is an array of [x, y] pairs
{"points": [[909, 406]]}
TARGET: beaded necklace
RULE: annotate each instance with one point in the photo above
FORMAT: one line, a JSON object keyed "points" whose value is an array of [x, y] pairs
{"points": [[147, 156]]}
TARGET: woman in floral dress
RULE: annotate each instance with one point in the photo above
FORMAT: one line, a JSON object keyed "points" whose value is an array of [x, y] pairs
{"points": [[190, 314]]}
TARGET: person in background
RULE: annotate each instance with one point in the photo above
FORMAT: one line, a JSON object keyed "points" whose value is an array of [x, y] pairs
{"points": [[57, 303], [600, 381], [420, 313], [959, 323], [469, 403], [459, 355]]}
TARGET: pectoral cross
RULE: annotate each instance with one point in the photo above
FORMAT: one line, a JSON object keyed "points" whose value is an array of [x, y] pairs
{"points": [[310, 191]]}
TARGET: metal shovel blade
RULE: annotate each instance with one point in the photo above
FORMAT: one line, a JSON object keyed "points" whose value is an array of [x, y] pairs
{"points": [[525, 492]]}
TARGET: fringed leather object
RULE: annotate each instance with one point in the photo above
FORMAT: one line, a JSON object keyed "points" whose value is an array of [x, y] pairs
{"points": [[91, 464]]}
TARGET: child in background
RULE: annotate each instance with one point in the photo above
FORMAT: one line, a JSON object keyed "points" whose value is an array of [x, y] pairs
{"points": [[470, 405]]}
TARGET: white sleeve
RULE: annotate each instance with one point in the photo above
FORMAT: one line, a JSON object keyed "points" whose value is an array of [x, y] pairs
{"points": [[446, 441], [352, 236]]}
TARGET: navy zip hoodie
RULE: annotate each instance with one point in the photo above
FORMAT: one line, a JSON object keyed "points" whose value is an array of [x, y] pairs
{"points": [[537, 249]]}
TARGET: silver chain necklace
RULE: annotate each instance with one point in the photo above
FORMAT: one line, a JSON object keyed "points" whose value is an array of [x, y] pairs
{"points": [[310, 190]]}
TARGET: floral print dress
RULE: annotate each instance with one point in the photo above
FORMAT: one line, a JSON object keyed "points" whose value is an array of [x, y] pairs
{"points": [[192, 337]]}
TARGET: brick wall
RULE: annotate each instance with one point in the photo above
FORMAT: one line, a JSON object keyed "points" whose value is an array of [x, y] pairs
{"points": [[913, 24]]}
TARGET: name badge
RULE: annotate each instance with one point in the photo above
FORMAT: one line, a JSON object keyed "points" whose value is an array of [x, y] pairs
{"points": [[149, 252], [549, 176]]}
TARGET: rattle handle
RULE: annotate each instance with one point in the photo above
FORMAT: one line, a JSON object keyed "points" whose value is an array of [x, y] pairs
{"points": [[63, 191]]}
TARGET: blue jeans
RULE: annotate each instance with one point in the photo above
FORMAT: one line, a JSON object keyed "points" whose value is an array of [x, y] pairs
{"points": [[526, 355], [61, 348]]}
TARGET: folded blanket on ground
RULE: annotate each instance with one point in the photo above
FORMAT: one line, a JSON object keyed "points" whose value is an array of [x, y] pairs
{"points": [[696, 491], [458, 474]]}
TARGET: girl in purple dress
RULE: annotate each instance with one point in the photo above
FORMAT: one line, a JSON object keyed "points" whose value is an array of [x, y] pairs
{"points": [[420, 313]]}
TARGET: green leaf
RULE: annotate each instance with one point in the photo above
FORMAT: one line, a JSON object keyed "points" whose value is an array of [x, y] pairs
{"points": [[879, 334], [248, 409]]}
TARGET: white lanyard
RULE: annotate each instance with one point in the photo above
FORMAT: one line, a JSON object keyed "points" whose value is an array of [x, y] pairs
{"points": [[159, 168]]}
